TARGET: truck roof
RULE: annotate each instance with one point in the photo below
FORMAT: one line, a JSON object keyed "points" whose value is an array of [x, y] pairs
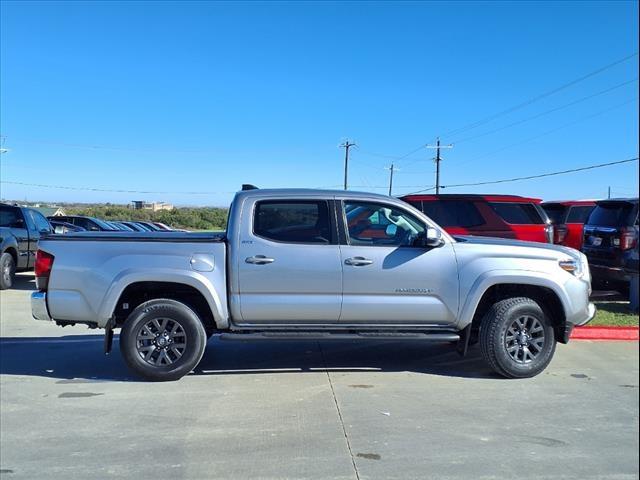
{"points": [[274, 192]]}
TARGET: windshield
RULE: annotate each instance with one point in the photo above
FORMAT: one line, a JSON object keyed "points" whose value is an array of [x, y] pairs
{"points": [[556, 213]]}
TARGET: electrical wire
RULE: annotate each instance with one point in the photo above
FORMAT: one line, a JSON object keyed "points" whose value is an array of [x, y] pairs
{"points": [[539, 97], [542, 175], [519, 122]]}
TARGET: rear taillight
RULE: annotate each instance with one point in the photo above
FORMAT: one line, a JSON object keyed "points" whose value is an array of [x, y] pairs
{"points": [[628, 238], [548, 230], [44, 263], [559, 234]]}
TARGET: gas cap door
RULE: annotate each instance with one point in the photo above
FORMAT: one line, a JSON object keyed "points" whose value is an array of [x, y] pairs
{"points": [[202, 262]]}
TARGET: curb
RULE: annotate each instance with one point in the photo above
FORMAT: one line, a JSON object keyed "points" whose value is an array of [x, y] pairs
{"points": [[605, 333]]}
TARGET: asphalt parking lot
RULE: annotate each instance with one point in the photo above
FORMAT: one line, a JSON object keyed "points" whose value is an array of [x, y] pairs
{"points": [[308, 410]]}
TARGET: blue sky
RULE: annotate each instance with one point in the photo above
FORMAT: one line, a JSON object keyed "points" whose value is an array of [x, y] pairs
{"points": [[204, 96]]}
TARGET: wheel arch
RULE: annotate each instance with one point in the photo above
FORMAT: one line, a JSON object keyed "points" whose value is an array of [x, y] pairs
{"points": [[11, 250], [546, 293], [195, 292]]}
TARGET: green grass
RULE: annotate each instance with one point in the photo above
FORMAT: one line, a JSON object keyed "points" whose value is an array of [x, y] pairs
{"points": [[614, 314]]}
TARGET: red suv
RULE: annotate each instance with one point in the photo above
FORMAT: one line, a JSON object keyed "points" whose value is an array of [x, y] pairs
{"points": [[568, 218], [506, 216]]}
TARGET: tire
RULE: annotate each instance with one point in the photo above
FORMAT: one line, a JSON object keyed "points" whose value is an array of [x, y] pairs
{"points": [[162, 340], [517, 338], [7, 270]]}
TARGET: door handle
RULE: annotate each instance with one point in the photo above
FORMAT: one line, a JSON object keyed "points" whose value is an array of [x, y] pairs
{"points": [[358, 261], [259, 260]]}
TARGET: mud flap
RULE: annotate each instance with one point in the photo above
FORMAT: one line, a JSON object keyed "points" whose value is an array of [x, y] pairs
{"points": [[108, 336], [463, 343]]}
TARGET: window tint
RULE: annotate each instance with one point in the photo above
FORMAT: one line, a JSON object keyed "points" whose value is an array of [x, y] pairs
{"points": [[453, 213], [517, 213], [380, 225], [9, 216], [611, 214], [41, 222], [31, 224], [579, 214], [557, 213], [293, 221]]}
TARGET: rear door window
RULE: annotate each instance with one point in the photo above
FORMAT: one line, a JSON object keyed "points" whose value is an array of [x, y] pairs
{"points": [[42, 225], [517, 213], [293, 221], [611, 214], [453, 213], [579, 214]]}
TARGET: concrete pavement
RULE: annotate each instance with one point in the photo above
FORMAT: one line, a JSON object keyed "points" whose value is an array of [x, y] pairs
{"points": [[330, 409]]}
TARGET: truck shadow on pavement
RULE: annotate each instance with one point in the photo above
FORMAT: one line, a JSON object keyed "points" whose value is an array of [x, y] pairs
{"points": [[81, 357], [24, 281]]}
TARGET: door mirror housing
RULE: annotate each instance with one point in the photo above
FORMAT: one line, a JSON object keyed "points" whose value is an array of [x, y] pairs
{"points": [[431, 238]]}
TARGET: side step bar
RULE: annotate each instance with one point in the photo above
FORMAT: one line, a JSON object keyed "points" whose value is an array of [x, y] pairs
{"points": [[323, 335]]}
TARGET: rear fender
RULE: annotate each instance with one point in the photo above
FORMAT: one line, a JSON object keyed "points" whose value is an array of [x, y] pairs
{"points": [[215, 299]]}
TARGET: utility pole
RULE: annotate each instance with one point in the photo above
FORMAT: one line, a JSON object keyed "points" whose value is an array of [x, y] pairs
{"points": [[391, 169], [438, 159], [609, 192], [346, 145]]}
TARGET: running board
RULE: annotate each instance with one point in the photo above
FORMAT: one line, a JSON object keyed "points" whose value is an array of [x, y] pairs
{"points": [[323, 335]]}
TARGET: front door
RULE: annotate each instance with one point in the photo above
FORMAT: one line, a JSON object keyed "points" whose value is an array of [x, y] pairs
{"points": [[388, 280], [288, 263]]}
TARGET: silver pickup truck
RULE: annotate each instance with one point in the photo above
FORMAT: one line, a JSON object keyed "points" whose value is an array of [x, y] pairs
{"points": [[311, 264]]}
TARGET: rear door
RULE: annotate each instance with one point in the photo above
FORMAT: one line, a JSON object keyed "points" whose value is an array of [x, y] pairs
{"points": [[527, 221], [576, 218], [386, 279], [289, 268]]}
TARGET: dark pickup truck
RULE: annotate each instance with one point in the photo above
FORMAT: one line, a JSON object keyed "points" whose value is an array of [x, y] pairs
{"points": [[20, 230]]}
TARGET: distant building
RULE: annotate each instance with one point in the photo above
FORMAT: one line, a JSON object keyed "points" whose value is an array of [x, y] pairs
{"points": [[153, 206], [50, 211]]}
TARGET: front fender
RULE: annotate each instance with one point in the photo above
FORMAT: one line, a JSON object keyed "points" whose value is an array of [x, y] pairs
{"points": [[496, 277], [193, 279]]}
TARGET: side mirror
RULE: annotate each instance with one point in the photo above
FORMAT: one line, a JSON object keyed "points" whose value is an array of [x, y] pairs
{"points": [[433, 238]]}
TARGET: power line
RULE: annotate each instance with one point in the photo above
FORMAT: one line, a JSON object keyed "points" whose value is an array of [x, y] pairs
{"points": [[111, 190], [520, 105], [539, 97], [551, 174], [519, 122], [549, 132]]}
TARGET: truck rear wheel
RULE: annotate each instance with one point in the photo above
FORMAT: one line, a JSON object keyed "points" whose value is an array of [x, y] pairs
{"points": [[7, 270], [516, 338], [162, 340]]}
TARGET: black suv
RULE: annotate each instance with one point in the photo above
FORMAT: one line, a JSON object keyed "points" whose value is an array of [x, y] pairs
{"points": [[610, 236]]}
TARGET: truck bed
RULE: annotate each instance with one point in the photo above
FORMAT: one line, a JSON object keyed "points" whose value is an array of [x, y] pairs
{"points": [[91, 269]]}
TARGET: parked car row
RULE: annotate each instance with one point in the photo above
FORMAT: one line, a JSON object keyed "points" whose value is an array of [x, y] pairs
{"points": [[77, 223], [22, 227], [605, 230]]}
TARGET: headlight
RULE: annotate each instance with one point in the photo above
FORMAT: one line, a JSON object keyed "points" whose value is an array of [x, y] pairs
{"points": [[571, 265]]}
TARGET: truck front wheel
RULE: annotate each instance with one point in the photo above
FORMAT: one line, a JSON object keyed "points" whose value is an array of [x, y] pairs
{"points": [[162, 340], [516, 338]]}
